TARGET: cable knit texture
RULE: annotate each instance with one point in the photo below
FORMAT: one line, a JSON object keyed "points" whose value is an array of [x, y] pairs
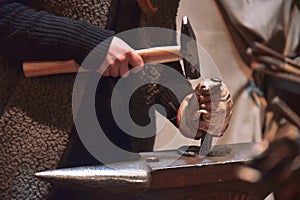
{"points": [[36, 114], [36, 117], [30, 35]]}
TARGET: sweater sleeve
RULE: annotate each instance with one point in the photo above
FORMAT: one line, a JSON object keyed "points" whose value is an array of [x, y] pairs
{"points": [[26, 34]]}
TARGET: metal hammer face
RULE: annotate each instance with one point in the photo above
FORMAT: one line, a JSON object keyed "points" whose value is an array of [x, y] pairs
{"points": [[189, 50]]}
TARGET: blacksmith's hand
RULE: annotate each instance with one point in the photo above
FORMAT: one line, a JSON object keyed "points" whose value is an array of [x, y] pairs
{"points": [[120, 59], [207, 110]]}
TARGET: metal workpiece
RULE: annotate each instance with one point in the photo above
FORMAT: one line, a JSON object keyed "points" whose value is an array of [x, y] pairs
{"points": [[206, 143], [118, 176], [157, 170]]}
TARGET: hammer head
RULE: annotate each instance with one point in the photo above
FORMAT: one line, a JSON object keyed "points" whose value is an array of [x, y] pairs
{"points": [[189, 50]]}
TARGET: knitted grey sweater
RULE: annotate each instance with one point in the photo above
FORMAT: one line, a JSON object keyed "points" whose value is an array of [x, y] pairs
{"points": [[35, 114]]}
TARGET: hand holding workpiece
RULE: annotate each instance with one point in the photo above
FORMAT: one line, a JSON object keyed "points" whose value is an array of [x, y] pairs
{"points": [[207, 110]]}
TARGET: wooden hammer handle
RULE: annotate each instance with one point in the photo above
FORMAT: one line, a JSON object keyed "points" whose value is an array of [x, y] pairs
{"points": [[154, 55]]}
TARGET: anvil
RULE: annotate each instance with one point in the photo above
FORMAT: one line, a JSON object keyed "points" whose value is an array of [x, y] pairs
{"points": [[234, 171], [166, 174]]}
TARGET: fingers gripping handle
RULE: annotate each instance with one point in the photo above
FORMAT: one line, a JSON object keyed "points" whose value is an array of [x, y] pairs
{"points": [[155, 55]]}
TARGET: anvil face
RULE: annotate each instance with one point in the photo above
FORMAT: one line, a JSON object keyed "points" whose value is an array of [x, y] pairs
{"points": [[171, 170], [173, 159]]}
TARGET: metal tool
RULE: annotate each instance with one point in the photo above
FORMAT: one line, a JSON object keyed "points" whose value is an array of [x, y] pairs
{"points": [[189, 50], [156, 55], [259, 48], [265, 55], [274, 165]]}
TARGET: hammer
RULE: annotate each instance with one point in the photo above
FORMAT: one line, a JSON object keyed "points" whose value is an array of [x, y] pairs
{"points": [[155, 55], [187, 51]]}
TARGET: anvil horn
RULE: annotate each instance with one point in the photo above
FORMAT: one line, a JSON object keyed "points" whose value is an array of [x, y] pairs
{"points": [[119, 176]]}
